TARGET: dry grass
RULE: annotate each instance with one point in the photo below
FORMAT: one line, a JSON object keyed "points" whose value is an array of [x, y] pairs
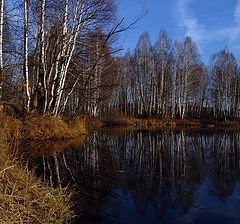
{"points": [[93, 123], [10, 127], [24, 199], [78, 125], [118, 118], [188, 123], [39, 127]]}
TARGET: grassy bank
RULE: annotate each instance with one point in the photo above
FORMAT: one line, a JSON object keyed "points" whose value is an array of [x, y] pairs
{"points": [[46, 127], [120, 119], [39, 127], [25, 199]]}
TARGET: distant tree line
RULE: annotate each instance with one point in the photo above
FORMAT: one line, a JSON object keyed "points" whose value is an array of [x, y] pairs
{"points": [[57, 57], [168, 79]]}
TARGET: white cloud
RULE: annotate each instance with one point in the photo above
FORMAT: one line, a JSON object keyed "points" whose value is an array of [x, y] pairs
{"points": [[237, 13], [199, 32], [235, 31], [187, 20]]}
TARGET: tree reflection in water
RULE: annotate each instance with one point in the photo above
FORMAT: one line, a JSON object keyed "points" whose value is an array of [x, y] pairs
{"points": [[163, 169]]}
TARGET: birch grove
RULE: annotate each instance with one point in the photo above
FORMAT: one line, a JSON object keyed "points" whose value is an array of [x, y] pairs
{"points": [[55, 46], [225, 85], [59, 58], [170, 80]]}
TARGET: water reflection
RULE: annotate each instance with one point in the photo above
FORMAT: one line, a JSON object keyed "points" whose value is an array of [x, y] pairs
{"points": [[166, 171]]}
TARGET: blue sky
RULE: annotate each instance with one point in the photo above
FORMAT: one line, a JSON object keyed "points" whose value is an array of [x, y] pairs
{"points": [[213, 24]]}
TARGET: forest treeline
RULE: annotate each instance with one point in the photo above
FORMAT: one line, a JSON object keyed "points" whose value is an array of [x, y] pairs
{"points": [[168, 79], [57, 57]]}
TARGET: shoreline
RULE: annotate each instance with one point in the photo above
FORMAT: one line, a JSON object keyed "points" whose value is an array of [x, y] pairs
{"points": [[23, 193], [169, 123], [40, 129]]}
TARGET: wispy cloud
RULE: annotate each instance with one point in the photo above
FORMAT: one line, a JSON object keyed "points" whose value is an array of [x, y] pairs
{"points": [[187, 20], [235, 32], [200, 33], [237, 13]]}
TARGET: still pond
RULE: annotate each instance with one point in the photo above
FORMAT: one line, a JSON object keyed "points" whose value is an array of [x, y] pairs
{"points": [[143, 177]]}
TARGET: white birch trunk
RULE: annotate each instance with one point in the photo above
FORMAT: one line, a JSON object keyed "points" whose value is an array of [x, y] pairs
{"points": [[174, 81], [25, 69], [63, 55], [43, 61], [162, 79], [1, 48], [68, 49]]}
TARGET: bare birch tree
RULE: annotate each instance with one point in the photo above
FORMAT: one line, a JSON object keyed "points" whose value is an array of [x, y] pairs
{"points": [[224, 84], [143, 73], [25, 67], [163, 49], [1, 46]]}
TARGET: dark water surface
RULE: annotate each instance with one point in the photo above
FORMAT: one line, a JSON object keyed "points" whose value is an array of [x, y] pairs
{"points": [[149, 176]]}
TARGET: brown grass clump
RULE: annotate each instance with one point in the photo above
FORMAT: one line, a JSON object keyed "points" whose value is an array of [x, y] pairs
{"points": [[10, 127], [119, 118], [39, 127], [24, 199], [78, 125]]}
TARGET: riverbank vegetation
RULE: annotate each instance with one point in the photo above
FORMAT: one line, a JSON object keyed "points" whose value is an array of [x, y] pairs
{"points": [[40, 128], [60, 77], [119, 119], [25, 199]]}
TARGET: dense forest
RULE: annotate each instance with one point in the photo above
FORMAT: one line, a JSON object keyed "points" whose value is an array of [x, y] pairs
{"points": [[59, 57]]}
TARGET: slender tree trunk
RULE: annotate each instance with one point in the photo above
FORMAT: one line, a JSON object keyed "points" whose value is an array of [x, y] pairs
{"points": [[174, 86], [63, 56], [43, 61], [1, 48], [162, 98], [25, 68]]}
